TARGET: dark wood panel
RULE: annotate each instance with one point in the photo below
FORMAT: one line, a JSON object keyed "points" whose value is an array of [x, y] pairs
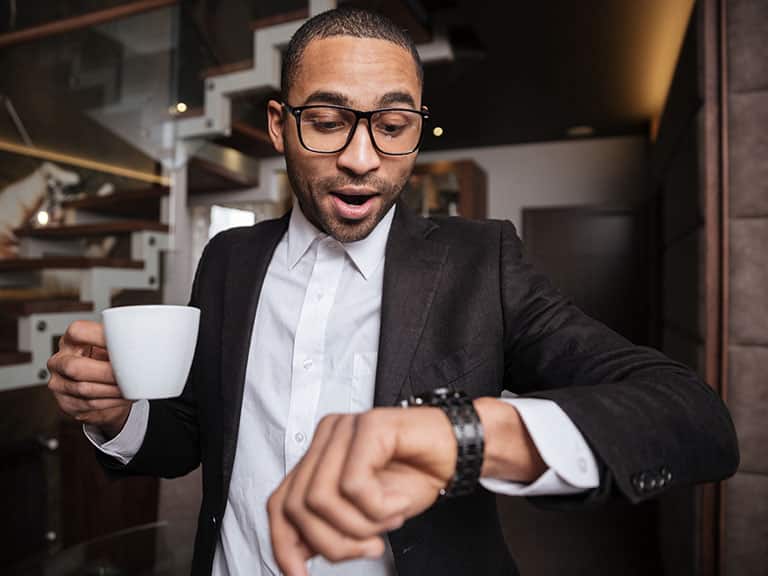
{"points": [[143, 203], [8, 358], [81, 21], [65, 262], [275, 19], [92, 504], [227, 68], [27, 307], [95, 229], [28, 422], [601, 259]]}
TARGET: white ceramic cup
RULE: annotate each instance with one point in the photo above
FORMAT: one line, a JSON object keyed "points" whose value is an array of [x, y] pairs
{"points": [[151, 348]]}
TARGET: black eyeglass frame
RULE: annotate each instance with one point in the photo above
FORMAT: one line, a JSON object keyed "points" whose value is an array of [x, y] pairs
{"points": [[296, 111]]}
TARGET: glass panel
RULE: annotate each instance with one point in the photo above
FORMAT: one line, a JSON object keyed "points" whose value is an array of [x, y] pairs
{"points": [[18, 15], [100, 93]]}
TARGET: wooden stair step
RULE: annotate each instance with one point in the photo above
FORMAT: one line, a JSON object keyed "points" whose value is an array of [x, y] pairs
{"points": [[143, 203], [8, 358], [249, 140], [66, 262], [228, 68], [28, 307], [92, 229], [282, 18], [206, 177]]}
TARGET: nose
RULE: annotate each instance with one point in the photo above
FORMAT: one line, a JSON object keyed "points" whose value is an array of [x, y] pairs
{"points": [[360, 156]]}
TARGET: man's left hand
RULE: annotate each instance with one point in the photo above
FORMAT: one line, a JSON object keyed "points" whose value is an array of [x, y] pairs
{"points": [[362, 476]]}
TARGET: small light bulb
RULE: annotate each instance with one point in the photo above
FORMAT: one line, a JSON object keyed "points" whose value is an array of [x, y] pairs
{"points": [[42, 218], [437, 131], [181, 107]]}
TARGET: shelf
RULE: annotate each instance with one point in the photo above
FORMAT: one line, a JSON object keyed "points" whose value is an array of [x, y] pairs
{"points": [[10, 358], [275, 19], [143, 203], [249, 140], [96, 229], [229, 68], [64, 262], [28, 307]]}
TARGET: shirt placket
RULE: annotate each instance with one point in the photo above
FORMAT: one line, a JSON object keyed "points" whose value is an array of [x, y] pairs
{"points": [[309, 349]]}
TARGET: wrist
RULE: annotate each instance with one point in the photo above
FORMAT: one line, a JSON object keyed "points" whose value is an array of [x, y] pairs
{"points": [[510, 453], [112, 427]]}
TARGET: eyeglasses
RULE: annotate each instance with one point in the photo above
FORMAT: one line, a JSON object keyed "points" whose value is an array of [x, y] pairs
{"points": [[328, 129]]}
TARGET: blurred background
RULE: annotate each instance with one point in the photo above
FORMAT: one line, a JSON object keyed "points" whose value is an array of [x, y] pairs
{"points": [[626, 140]]}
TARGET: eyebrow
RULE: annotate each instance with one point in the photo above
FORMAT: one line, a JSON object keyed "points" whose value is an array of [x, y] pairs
{"points": [[396, 98], [326, 97], [338, 99]]}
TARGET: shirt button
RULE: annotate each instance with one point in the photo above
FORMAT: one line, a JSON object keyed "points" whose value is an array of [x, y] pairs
{"points": [[582, 464], [319, 295], [299, 437], [307, 363]]}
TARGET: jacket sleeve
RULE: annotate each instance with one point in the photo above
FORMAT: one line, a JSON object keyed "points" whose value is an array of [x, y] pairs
{"points": [[171, 445], [651, 422]]}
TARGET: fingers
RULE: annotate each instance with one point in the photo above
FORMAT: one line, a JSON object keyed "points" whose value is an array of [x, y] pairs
{"points": [[397, 478], [85, 390], [306, 497], [81, 335], [289, 550], [360, 482], [324, 493], [300, 498], [81, 368], [78, 407]]}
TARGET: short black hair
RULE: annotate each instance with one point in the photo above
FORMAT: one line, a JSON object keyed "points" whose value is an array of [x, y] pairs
{"points": [[343, 21]]}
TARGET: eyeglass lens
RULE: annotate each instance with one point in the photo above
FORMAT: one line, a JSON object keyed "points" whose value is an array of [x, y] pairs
{"points": [[327, 129]]}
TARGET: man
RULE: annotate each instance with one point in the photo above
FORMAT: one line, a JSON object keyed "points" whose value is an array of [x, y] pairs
{"points": [[350, 302]]}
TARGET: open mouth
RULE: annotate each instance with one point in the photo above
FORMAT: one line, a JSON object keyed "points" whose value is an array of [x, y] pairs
{"points": [[353, 199]]}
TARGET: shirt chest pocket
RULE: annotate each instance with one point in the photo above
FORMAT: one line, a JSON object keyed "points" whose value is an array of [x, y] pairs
{"points": [[363, 381]]}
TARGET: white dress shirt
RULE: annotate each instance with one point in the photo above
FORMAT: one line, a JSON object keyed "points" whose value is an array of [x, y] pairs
{"points": [[313, 352]]}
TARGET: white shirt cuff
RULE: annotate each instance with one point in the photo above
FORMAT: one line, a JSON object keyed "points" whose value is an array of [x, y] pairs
{"points": [[572, 465], [126, 444]]}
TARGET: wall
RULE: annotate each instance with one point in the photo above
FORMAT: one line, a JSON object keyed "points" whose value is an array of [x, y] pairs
{"points": [[746, 494], [570, 172], [680, 178]]}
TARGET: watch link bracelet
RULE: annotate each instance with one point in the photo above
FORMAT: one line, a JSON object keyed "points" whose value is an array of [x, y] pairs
{"points": [[469, 436]]}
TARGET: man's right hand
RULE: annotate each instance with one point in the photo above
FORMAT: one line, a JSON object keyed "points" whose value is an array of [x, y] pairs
{"points": [[83, 382]]}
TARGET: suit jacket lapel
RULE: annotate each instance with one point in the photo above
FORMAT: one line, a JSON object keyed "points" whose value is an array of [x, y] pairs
{"points": [[412, 270], [248, 262]]}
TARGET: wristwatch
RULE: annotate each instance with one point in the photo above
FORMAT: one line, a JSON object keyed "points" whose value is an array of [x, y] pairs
{"points": [[469, 436]]}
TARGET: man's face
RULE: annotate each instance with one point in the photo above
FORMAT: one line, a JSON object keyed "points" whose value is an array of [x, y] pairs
{"points": [[347, 193]]}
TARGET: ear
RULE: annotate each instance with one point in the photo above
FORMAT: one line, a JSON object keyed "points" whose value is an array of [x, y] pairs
{"points": [[276, 124]]}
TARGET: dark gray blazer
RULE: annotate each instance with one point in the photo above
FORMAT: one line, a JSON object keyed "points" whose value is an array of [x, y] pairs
{"points": [[460, 308]]}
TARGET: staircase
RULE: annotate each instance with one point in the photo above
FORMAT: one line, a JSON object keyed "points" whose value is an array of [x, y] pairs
{"points": [[206, 147], [52, 261]]}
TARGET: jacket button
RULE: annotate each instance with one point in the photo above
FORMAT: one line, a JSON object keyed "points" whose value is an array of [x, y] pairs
{"points": [[640, 482]]}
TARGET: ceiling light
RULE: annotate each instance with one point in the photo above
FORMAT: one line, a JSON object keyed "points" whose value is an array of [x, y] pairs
{"points": [[437, 131], [580, 131], [42, 218], [181, 107]]}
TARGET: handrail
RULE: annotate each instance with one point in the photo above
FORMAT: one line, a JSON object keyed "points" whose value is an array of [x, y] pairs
{"points": [[82, 21], [86, 163]]}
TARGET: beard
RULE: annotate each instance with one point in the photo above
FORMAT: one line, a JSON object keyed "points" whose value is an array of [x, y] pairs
{"points": [[312, 195]]}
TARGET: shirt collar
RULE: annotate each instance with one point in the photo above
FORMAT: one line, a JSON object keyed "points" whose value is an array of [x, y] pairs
{"points": [[366, 254]]}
